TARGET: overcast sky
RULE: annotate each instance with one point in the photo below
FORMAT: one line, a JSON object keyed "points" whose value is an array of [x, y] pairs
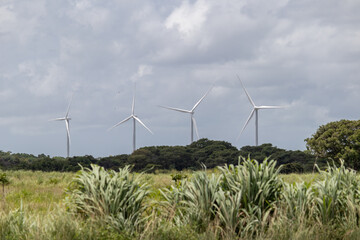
{"points": [[302, 54]]}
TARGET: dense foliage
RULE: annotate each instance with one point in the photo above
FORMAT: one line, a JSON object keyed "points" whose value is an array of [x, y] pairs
{"points": [[194, 156], [337, 140]]}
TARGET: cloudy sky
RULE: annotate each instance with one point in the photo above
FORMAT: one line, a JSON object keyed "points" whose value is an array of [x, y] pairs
{"points": [[302, 54]]}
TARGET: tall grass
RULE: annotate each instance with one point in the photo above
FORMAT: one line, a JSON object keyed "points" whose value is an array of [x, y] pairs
{"points": [[247, 201], [56, 224], [234, 203], [117, 198], [258, 183], [251, 200]]}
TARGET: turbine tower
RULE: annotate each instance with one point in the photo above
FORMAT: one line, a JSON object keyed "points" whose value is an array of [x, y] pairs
{"points": [[67, 125], [191, 112], [134, 118], [256, 111]]}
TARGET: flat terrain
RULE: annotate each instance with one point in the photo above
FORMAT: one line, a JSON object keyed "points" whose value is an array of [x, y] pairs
{"points": [[33, 206], [39, 192]]}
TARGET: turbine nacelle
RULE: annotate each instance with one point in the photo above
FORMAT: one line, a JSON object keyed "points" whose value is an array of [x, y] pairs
{"points": [[191, 112], [254, 111], [67, 126], [135, 119], [60, 119]]}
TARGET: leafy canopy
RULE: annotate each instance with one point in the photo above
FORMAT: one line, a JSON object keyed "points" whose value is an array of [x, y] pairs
{"points": [[337, 140]]}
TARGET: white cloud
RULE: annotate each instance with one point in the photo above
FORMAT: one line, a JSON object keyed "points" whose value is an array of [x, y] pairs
{"points": [[143, 70], [188, 18]]}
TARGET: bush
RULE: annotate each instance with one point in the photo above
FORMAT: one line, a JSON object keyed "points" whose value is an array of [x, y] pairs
{"points": [[117, 198], [259, 183], [291, 168], [238, 201]]}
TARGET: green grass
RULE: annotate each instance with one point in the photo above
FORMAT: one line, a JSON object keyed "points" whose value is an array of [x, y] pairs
{"points": [[34, 208], [40, 192], [302, 177]]}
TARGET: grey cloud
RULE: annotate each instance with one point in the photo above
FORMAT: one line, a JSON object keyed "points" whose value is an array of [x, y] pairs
{"points": [[302, 54]]}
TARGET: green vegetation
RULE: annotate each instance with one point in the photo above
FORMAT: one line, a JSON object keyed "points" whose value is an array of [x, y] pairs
{"points": [[114, 198], [39, 192], [250, 200], [158, 158], [337, 140], [4, 180], [216, 195]]}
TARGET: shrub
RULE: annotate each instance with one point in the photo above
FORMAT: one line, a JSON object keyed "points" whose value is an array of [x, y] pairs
{"points": [[117, 198], [298, 200], [4, 180], [334, 194], [236, 201], [259, 183], [192, 201], [293, 167]]}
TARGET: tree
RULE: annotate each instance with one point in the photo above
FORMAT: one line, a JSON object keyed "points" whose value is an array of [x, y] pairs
{"points": [[337, 140], [114, 162], [4, 180], [141, 158], [212, 153]]}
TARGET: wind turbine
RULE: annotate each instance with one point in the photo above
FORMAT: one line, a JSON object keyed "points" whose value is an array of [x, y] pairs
{"points": [[256, 111], [134, 118], [67, 124], [191, 112]]}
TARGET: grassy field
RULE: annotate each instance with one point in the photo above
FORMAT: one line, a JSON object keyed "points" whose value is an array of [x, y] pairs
{"points": [[41, 192], [36, 205], [38, 192]]}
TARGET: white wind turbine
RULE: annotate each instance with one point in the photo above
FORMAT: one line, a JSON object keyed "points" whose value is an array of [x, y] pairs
{"points": [[134, 118], [191, 112], [67, 124], [255, 110]]}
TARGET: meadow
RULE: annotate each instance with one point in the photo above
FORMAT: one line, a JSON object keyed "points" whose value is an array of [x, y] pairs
{"points": [[249, 201], [40, 192]]}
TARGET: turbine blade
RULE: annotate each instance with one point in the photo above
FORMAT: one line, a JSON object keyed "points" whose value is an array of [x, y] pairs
{"points": [[176, 109], [133, 102], [68, 109], [126, 119], [137, 119], [195, 126], [246, 123], [197, 104], [68, 130], [270, 107], [247, 94], [57, 119]]}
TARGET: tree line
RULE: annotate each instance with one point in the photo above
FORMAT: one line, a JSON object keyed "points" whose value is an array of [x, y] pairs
{"points": [[334, 141], [202, 153]]}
